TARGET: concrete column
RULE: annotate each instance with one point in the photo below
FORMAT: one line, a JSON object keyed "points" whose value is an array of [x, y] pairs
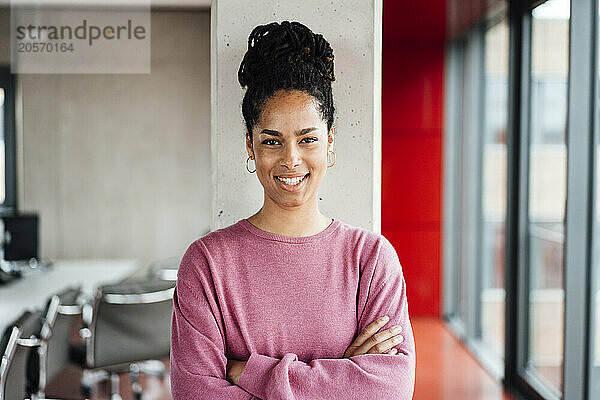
{"points": [[351, 190]]}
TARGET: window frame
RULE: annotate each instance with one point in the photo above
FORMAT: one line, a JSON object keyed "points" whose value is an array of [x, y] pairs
{"points": [[525, 380], [593, 374], [8, 83], [578, 217], [452, 152], [466, 51], [582, 140], [580, 208]]}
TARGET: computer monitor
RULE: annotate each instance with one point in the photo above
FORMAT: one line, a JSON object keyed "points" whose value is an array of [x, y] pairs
{"points": [[20, 236]]}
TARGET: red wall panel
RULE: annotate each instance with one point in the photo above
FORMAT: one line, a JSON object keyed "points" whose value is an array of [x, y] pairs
{"points": [[412, 111]]}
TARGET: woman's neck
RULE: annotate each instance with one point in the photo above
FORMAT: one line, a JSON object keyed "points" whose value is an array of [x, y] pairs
{"points": [[302, 221]]}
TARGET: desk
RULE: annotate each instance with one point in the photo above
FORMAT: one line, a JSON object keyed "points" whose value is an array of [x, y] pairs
{"points": [[32, 291]]}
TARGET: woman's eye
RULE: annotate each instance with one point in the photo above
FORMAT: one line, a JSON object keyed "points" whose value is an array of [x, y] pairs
{"points": [[270, 142], [309, 140]]}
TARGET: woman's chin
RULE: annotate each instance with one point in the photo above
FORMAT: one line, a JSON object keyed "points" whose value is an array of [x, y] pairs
{"points": [[288, 200]]}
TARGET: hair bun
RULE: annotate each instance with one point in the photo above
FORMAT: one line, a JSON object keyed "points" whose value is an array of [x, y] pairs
{"points": [[285, 43]]}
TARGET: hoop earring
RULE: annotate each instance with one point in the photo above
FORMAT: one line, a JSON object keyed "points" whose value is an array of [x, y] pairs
{"points": [[329, 164], [248, 167]]}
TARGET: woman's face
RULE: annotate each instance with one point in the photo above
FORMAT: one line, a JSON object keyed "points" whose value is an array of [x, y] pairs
{"points": [[289, 145]]}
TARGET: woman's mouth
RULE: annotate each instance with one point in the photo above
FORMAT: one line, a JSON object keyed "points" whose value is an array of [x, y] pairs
{"points": [[291, 184]]}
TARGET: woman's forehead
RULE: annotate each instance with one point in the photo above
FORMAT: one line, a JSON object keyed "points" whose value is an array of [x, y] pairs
{"points": [[295, 110]]}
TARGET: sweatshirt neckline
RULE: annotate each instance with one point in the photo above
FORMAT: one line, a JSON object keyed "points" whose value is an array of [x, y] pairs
{"points": [[289, 239]]}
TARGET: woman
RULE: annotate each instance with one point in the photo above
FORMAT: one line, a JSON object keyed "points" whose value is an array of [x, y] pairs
{"points": [[271, 306]]}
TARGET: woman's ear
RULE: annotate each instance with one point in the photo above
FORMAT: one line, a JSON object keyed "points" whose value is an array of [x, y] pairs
{"points": [[249, 148]]}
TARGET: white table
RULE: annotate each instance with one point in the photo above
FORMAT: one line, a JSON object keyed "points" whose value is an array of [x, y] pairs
{"points": [[32, 291]]}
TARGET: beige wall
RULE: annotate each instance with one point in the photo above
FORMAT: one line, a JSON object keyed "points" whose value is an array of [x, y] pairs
{"points": [[119, 165]]}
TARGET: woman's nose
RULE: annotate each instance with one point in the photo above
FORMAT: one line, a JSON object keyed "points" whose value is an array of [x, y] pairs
{"points": [[291, 157]]}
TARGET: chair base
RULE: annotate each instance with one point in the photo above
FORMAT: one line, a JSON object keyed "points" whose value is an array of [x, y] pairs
{"points": [[93, 377]]}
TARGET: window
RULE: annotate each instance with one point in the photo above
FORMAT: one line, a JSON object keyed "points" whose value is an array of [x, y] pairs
{"points": [[493, 188], [531, 264], [7, 139], [547, 154], [478, 70]]}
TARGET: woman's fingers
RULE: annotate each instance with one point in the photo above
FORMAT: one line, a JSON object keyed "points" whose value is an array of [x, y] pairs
{"points": [[383, 346], [382, 341], [372, 341], [369, 331]]}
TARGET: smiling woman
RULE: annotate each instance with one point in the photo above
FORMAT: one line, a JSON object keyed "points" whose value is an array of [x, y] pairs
{"points": [[288, 303], [290, 149]]}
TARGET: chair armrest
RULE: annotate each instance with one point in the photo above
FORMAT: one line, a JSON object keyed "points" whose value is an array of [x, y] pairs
{"points": [[31, 342]]}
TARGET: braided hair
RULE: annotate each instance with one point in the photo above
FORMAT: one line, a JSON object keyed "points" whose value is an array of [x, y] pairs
{"points": [[286, 56]]}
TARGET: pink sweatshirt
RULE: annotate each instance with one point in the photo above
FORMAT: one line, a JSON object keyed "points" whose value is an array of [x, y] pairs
{"points": [[290, 306]]}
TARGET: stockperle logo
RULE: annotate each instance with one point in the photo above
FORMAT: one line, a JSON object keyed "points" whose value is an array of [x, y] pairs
{"points": [[84, 31], [89, 36]]}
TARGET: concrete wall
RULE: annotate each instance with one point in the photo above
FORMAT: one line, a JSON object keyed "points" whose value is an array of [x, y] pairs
{"points": [[118, 166], [351, 189]]}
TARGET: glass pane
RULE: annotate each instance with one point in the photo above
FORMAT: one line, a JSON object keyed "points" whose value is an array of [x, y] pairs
{"points": [[547, 189], [494, 188]]}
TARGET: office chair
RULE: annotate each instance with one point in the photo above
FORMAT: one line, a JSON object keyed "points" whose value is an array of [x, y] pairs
{"points": [[19, 345], [62, 310], [37, 347], [131, 323], [165, 269]]}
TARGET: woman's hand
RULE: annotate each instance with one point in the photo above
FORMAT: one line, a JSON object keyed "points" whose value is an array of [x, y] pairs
{"points": [[369, 341], [234, 370]]}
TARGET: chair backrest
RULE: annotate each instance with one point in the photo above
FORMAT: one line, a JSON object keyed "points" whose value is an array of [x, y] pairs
{"points": [[57, 353], [132, 322], [17, 357], [165, 269]]}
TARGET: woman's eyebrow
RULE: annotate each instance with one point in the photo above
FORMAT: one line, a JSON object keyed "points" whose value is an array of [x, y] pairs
{"points": [[299, 133]]}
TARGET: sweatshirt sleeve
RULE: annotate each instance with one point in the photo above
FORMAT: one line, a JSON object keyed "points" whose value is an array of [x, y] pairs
{"points": [[366, 376], [198, 362]]}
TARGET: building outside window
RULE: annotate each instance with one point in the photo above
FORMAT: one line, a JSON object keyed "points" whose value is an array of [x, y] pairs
{"points": [[547, 189], [493, 196]]}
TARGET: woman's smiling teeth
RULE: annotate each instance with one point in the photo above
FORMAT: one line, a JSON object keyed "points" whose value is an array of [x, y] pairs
{"points": [[291, 181]]}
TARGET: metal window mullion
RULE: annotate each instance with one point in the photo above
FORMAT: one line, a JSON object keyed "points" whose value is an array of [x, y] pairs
{"points": [[578, 238], [526, 385], [451, 204], [475, 141], [512, 193], [462, 248], [517, 246], [457, 181], [459, 323], [593, 374], [481, 112], [469, 174], [523, 285]]}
